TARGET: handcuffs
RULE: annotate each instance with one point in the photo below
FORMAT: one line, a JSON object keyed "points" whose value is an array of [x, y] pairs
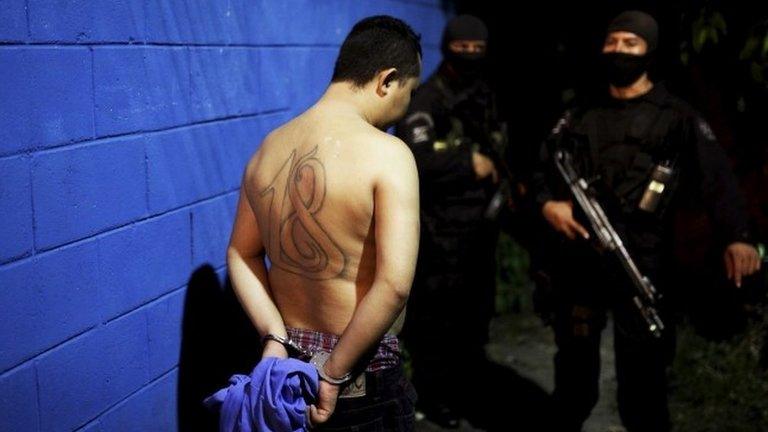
{"points": [[316, 359]]}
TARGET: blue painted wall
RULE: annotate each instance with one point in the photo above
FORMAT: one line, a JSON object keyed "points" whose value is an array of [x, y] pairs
{"points": [[124, 128]]}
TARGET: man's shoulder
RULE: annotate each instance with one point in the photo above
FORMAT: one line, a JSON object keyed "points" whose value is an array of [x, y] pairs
{"points": [[664, 98], [582, 105], [688, 116], [275, 138], [382, 152], [380, 144]]}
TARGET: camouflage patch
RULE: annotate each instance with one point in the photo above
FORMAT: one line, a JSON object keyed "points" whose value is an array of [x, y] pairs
{"points": [[420, 115], [705, 130], [421, 124], [420, 134]]}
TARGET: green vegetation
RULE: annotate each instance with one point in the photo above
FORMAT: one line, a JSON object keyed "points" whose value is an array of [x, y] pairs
{"points": [[513, 286], [721, 386]]}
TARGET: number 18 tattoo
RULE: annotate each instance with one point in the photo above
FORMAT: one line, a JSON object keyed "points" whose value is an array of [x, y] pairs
{"points": [[296, 241]]}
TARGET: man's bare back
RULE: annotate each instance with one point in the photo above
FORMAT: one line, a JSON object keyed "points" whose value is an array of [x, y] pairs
{"points": [[311, 186], [327, 226]]}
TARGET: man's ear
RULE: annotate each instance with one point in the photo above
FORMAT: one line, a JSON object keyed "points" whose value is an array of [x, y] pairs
{"points": [[384, 80]]}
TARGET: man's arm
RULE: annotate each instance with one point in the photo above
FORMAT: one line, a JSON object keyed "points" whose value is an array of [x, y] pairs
{"points": [[248, 272], [396, 218], [557, 212], [441, 164], [722, 197]]}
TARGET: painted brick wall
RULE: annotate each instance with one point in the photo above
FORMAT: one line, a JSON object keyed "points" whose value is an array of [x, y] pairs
{"points": [[124, 128]]}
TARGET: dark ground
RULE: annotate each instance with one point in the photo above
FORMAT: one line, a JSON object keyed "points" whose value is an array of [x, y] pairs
{"points": [[521, 343]]}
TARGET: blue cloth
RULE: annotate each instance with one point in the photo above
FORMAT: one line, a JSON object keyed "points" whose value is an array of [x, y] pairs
{"points": [[273, 398]]}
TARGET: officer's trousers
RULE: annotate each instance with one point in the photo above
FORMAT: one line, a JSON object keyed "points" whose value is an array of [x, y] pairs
{"points": [[641, 368]]}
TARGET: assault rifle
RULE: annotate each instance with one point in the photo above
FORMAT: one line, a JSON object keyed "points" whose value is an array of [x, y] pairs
{"points": [[608, 240]]}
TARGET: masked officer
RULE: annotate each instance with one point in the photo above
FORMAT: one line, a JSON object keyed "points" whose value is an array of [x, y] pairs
{"points": [[650, 153], [451, 125]]}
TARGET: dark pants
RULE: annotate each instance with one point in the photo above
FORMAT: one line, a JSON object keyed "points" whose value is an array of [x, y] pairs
{"points": [[388, 405], [641, 367], [449, 313]]}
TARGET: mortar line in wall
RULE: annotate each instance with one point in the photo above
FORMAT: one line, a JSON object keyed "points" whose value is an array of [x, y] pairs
{"points": [[226, 274], [151, 132], [417, 3], [32, 360], [36, 356], [189, 77], [91, 423], [14, 368], [89, 141], [114, 405], [138, 45], [109, 230], [146, 7], [32, 203], [147, 341], [37, 394], [15, 258], [148, 303], [191, 238], [146, 178], [26, 16], [93, 89]]}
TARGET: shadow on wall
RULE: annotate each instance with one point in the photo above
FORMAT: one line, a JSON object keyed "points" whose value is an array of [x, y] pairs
{"points": [[218, 340]]}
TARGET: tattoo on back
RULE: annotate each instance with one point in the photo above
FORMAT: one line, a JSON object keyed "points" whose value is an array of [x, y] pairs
{"points": [[296, 241]]}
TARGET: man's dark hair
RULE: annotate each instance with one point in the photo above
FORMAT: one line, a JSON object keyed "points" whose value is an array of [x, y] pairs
{"points": [[374, 44]]}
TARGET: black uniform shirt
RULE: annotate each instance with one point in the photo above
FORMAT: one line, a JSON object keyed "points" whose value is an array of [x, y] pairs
{"points": [[620, 141]]}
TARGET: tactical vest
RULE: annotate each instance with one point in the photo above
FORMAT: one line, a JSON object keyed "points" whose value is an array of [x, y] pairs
{"points": [[621, 160]]}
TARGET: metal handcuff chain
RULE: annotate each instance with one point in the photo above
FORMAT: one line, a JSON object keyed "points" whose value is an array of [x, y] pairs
{"points": [[316, 359]]}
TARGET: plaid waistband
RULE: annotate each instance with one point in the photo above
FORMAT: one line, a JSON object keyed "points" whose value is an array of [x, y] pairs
{"points": [[387, 353]]}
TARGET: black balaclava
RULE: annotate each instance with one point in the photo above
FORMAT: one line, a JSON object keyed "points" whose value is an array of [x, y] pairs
{"points": [[624, 69], [464, 27]]}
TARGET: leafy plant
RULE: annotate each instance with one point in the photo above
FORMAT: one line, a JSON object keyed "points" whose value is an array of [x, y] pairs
{"points": [[512, 282], [720, 386]]}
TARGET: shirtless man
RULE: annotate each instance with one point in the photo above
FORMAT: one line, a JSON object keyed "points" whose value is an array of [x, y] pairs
{"points": [[332, 201]]}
